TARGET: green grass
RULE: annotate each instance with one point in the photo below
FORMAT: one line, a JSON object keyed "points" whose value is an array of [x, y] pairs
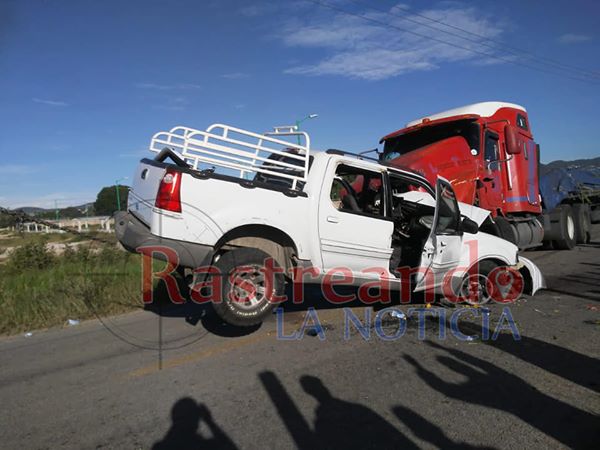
{"points": [[12, 239], [39, 289], [19, 239]]}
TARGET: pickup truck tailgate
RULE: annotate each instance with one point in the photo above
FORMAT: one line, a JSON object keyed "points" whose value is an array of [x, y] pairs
{"points": [[143, 192]]}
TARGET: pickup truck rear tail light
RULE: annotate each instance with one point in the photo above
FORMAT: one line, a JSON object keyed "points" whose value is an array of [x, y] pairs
{"points": [[169, 191]]}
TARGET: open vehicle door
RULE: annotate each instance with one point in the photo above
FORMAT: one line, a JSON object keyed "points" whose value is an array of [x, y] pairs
{"points": [[442, 251]]}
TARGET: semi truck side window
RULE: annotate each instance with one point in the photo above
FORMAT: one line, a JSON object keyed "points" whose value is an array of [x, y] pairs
{"points": [[491, 151], [521, 121], [359, 191]]}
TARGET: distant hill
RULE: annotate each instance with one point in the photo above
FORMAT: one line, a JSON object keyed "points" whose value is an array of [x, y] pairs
{"points": [[35, 211], [32, 210], [577, 163]]}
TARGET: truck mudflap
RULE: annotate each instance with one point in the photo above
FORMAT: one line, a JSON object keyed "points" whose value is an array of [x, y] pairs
{"points": [[532, 275]]}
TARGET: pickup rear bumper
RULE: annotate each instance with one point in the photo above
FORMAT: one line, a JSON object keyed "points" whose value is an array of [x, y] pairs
{"points": [[136, 237]]}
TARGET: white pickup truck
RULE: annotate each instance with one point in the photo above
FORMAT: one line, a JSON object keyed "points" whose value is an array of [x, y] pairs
{"points": [[227, 197]]}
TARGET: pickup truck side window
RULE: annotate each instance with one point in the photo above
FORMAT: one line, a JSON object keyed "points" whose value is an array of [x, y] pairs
{"points": [[448, 215], [358, 191]]}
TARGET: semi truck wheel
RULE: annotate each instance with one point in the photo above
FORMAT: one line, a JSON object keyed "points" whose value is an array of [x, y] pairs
{"points": [[247, 296], [583, 223], [566, 228]]}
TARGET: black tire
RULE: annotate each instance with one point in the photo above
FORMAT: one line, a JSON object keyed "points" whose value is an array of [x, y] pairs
{"points": [[237, 311], [583, 224], [466, 289], [566, 225], [506, 230]]}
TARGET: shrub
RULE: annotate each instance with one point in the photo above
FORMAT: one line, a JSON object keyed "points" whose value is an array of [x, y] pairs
{"points": [[31, 256]]}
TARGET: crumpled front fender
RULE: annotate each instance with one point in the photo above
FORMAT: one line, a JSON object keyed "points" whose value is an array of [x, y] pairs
{"points": [[532, 275]]}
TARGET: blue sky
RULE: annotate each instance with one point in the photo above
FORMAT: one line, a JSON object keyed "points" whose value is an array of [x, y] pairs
{"points": [[84, 84]]}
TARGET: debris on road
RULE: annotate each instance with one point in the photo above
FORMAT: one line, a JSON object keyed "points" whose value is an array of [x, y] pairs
{"points": [[398, 314]]}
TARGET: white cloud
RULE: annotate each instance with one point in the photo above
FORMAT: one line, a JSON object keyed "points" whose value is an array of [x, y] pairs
{"points": [[173, 104], [235, 75], [16, 169], [375, 50], [260, 9], [240, 106], [571, 38], [44, 101], [168, 87]]}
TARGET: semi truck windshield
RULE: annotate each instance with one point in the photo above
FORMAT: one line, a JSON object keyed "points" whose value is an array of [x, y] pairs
{"points": [[423, 137]]}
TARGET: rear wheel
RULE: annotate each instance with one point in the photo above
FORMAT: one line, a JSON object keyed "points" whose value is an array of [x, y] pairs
{"points": [[566, 225], [582, 222], [247, 293]]}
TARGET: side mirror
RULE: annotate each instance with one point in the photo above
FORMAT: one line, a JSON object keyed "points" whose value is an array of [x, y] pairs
{"points": [[469, 226], [513, 142]]}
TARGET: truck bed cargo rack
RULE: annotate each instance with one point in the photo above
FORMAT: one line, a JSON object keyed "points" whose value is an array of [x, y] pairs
{"points": [[240, 152]]}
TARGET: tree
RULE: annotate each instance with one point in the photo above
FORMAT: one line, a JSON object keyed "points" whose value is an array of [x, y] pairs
{"points": [[7, 220], [70, 212], [106, 201]]}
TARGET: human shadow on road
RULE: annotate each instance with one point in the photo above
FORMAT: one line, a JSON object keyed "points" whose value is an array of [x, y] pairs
{"points": [[429, 432], [186, 416], [342, 424], [491, 386], [338, 423], [578, 284], [580, 369]]}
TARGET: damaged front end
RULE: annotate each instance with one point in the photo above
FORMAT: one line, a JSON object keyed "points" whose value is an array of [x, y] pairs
{"points": [[532, 276]]}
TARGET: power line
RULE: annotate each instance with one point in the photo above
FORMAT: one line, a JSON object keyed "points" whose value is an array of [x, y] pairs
{"points": [[441, 41], [499, 45]]}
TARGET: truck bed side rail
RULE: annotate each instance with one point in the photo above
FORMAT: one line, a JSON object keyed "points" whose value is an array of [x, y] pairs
{"points": [[239, 152]]}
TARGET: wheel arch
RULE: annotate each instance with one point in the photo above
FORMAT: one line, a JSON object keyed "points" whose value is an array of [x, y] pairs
{"points": [[273, 241]]}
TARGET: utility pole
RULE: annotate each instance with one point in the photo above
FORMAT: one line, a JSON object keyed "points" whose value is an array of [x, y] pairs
{"points": [[56, 209], [298, 122], [118, 193]]}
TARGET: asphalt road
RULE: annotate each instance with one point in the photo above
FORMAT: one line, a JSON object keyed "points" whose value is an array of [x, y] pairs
{"points": [[107, 385]]}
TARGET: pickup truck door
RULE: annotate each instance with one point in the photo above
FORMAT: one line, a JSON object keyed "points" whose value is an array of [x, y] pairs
{"points": [[442, 251], [354, 232]]}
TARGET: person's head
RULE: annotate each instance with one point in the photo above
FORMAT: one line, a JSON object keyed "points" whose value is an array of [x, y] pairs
{"points": [[186, 413], [315, 387]]}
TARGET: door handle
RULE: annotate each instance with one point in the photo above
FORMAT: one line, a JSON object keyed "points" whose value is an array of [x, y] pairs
{"points": [[442, 244], [332, 219]]}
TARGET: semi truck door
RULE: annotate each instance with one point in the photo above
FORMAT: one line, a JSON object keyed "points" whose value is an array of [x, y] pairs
{"points": [[354, 231], [491, 197], [442, 250]]}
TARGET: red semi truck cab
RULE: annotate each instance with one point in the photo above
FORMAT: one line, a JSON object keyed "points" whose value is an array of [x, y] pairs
{"points": [[488, 153]]}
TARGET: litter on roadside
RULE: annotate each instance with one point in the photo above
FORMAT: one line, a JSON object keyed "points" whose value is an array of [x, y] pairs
{"points": [[398, 314]]}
